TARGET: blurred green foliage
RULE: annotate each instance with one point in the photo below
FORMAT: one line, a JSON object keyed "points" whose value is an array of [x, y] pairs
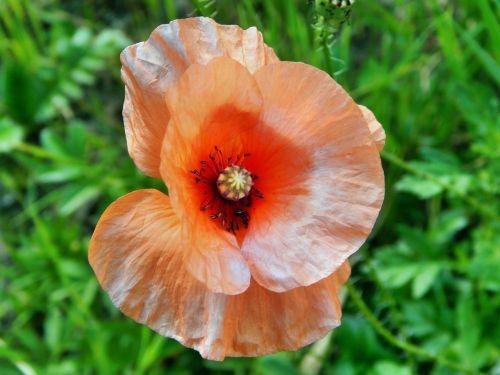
{"points": [[424, 295]]}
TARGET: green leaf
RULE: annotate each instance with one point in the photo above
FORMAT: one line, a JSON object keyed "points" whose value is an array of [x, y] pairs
{"points": [[420, 317], [77, 138], [485, 264], [11, 134], [424, 279], [53, 329], [71, 89], [21, 91], [396, 276], [444, 24], [469, 329], [277, 364], [447, 225], [77, 199], [489, 63], [387, 367], [82, 77], [52, 142], [422, 188], [108, 41], [60, 174]]}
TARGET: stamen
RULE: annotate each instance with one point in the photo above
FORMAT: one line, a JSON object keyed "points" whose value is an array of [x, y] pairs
{"points": [[259, 194]]}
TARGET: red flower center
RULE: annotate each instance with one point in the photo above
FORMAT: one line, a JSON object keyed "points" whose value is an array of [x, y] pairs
{"points": [[228, 189]]}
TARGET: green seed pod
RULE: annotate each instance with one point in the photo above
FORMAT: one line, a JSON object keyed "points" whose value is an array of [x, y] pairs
{"points": [[336, 11]]}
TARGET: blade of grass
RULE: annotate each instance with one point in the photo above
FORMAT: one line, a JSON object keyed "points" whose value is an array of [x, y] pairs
{"points": [[489, 63]]}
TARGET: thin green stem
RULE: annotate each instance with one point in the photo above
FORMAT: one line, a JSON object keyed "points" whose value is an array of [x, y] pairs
{"points": [[204, 7], [326, 48], [40, 152], [395, 341], [394, 159]]}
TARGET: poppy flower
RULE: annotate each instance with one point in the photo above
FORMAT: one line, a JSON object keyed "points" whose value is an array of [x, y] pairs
{"points": [[274, 180]]}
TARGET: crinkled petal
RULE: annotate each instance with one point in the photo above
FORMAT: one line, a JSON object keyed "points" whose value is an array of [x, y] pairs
{"points": [[210, 100], [139, 234], [214, 105], [141, 268], [321, 176], [376, 129], [150, 68]]}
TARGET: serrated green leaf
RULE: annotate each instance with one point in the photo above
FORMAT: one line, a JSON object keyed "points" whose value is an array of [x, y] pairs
{"points": [[395, 276], [447, 225]]}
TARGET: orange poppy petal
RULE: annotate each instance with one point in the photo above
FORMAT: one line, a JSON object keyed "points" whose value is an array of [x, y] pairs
{"points": [[147, 279], [150, 68], [376, 129], [214, 105], [139, 231], [324, 185]]}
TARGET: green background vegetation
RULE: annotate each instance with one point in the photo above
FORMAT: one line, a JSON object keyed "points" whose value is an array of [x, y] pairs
{"points": [[424, 293]]}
